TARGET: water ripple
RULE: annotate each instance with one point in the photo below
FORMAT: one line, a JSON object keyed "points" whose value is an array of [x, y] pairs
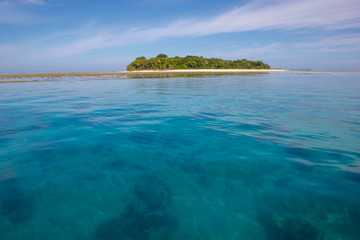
{"points": [[269, 156]]}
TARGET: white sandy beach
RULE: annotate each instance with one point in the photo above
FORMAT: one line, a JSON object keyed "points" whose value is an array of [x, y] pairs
{"points": [[205, 71]]}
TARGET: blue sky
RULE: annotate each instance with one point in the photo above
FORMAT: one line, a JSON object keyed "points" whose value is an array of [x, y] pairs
{"points": [[93, 35]]}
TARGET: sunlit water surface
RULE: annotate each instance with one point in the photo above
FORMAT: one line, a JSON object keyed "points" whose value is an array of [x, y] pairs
{"points": [[262, 156]]}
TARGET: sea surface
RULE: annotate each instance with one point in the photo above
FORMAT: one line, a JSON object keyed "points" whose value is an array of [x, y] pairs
{"points": [[242, 157]]}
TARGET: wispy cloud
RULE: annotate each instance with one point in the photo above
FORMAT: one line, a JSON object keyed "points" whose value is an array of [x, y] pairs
{"points": [[15, 11], [259, 15], [164, 1], [282, 15], [254, 52], [36, 2], [10, 13], [6, 49], [342, 43]]}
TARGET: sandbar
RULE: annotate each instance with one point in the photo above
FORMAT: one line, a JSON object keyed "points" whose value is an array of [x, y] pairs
{"points": [[130, 73]]}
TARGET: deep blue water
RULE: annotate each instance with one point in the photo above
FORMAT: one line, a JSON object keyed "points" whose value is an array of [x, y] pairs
{"points": [[263, 156]]}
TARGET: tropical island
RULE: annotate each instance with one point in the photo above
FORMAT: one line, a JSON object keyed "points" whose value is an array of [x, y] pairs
{"points": [[163, 62], [160, 66]]}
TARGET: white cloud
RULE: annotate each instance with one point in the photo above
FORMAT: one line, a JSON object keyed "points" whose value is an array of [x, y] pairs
{"points": [[272, 50], [259, 15], [36, 2], [15, 11], [285, 15], [162, 2], [6, 49], [9, 13], [342, 43]]}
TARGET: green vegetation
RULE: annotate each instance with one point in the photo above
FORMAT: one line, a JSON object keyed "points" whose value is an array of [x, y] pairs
{"points": [[162, 62]]}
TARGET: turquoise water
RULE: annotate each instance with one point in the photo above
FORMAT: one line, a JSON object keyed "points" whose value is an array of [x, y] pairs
{"points": [[261, 156]]}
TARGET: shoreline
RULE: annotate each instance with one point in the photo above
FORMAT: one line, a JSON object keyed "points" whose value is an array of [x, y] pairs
{"points": [[125, 73], [208, 70]]}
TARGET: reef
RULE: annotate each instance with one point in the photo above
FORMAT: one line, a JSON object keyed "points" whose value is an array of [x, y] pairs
{"points": [[137, 224], [289, 228], [15, 204], [153, 193], [116, 165], [145, 217]]}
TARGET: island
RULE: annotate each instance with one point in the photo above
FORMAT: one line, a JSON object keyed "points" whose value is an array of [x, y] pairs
{"points": [[161, 66], [163, 62]]}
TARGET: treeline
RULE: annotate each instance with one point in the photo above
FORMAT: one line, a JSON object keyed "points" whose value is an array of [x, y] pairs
{"points": [[162, 61]]}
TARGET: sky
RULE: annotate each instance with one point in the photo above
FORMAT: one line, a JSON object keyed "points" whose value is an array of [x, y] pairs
{"points": [[92, 35]]}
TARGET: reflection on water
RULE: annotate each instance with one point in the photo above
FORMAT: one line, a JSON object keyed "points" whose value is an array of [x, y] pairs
{"points": [[265, 156]]}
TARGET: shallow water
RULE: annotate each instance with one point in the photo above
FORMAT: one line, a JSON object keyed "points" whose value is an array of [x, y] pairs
{"points": [[259, 156]]}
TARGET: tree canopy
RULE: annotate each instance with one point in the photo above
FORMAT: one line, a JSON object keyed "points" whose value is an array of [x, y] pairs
{"points": [[161, 55], [163, 62]]}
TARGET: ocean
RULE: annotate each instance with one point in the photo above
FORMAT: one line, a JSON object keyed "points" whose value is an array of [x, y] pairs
{"points": [[271, 156]]}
